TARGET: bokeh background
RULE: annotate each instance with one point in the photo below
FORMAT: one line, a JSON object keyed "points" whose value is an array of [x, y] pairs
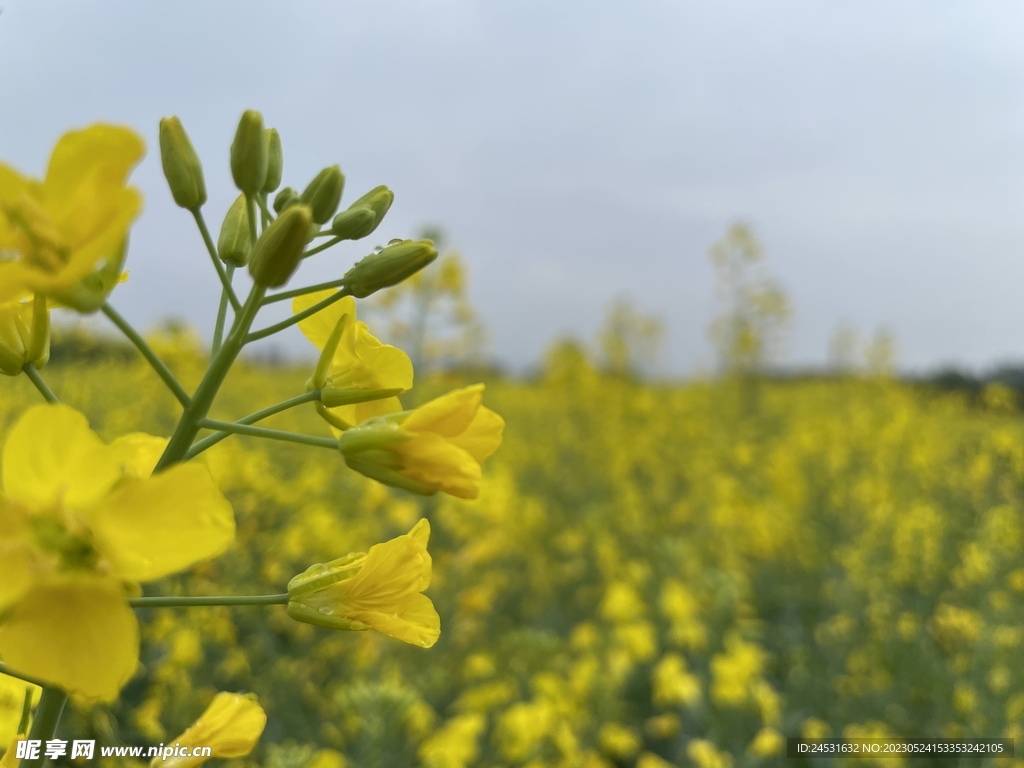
{"points": [[742, 279]]}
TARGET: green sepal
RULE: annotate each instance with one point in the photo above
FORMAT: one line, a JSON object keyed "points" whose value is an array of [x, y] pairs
{"points": [[387, 476], [373, 436], [335, 396], [309, 615]]}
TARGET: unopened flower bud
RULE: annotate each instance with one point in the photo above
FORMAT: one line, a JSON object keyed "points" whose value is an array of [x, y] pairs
{"points": [[182, 168], [285, 198], [275, 160], [249, 153], [235, 241], [364, 215], [389, 266], [277, 253], [24, 335], [324, 193]]}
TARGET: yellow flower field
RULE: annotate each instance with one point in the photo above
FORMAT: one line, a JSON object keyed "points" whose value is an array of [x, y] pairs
{"points": [[651, 576]]}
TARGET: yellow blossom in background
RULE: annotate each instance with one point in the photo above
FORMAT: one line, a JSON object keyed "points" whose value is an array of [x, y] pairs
{"points": [[230, 726], [358, 376], [436, 447], [454, 744], [618, 740], [672, 684], [380, 590], [704, 755], [65, 236], [767, 743], [80, 518], [651, 760]]}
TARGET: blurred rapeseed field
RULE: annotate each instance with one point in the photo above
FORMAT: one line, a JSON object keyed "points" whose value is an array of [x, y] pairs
{"points": [[652, 575]]}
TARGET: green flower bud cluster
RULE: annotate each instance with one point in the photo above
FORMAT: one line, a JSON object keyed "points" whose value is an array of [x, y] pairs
{"points": [[274, 247]]}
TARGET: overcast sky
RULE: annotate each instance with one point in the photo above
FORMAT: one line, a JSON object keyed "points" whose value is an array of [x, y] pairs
{"points": [[576, 151]]}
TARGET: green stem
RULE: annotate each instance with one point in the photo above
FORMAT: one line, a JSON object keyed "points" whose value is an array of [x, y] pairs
{"points": [[303, 291], [250, 209], [271, 330], [44, 724], [186, 601], [5, 670], [252, 418], [35, 378], [147, 352], [265, 217], [188, 427], [212, 250], [270, 434], [314, 251], [222, 312]]}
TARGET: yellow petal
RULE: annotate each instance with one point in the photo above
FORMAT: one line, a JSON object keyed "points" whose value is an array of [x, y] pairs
{"points": [[385, 593], [448, 415], [138, 453], [382, 365], [421, 532], [230, 726], [158, 526], [433, 461], [19, 561], [417, 623], [483, 435], [319, 326], [98, 156], [51, 455], [76, 631], [90, 249]]}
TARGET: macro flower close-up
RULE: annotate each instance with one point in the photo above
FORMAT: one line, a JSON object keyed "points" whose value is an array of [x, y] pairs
{"points": [[80, 519], [357, 376], [380, 589], [65, 235], [436, 447]]}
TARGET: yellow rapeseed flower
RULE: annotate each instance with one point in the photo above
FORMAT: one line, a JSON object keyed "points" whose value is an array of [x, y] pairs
{"points": [[380, 590], [358, 376], [436, 447], [230, 726], [65, 236], [78, 519]]}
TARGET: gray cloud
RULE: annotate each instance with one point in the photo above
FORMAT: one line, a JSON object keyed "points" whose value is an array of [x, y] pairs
{"points": [[577, 150]]}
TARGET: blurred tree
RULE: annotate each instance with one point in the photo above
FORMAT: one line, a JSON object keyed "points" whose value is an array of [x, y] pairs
{"points": [[749, 334], [880, 354], [844, 350], [630, 341], [430, 315]]}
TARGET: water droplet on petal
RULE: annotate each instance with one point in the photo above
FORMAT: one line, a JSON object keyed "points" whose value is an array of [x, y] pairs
{"points": [[326, 609]]}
